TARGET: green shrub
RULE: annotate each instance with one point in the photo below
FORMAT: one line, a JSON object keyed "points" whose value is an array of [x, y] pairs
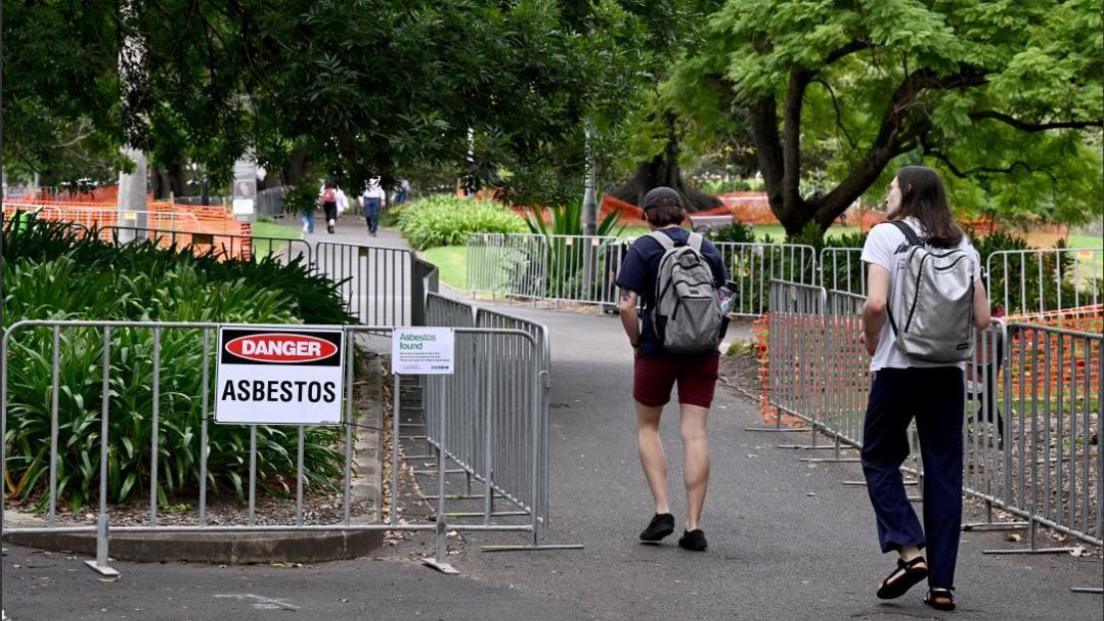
{"points": [[737, 232], [314, 298], [447, 221], [49, 273]]}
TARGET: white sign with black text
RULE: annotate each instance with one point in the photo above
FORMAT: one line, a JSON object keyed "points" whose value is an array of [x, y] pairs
{"points": [[422, 351], [279, 376]]}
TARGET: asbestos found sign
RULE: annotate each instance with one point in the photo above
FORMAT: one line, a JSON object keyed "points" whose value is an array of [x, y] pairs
{"points": [[279, 377], [422, 351]]}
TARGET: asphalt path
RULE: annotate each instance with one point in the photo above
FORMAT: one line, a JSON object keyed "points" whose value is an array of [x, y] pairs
{"points": [[376, 282], [786, 539]]}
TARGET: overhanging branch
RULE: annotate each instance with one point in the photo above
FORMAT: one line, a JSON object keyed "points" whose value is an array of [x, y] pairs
{"points": [[1034, 127]]}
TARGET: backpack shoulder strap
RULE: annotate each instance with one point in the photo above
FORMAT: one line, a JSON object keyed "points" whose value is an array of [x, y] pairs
{"points": [[910, 235], [663, 240], [695, 242]]}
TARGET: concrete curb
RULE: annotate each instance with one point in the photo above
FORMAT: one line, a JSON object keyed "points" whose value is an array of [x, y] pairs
{"points": [[215, 548]]}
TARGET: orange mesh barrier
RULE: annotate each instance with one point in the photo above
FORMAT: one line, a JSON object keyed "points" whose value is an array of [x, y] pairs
{"points": [[197, 226]]}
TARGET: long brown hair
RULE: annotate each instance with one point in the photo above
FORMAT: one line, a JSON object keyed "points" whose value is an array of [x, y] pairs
{"points": [[923, 197]]}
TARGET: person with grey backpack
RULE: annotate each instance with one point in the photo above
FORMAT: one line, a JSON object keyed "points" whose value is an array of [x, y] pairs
{"points": [[925, 298], [677, 273]]}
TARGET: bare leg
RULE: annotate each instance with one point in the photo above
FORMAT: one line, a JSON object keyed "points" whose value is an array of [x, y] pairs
{"points": [[696, 461], [652, 458]]}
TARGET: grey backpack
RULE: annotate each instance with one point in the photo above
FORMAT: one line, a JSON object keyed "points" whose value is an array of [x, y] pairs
{"points": [[687, 315], [936, 319]]}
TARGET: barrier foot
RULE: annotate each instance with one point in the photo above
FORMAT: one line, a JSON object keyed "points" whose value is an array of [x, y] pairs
{"points": [[804, 447], [778, 429], [442, 566], [863, 483], [1092, 590], [103, 570], [1030, 551], [434, 472], [528, 547], [994, 526], [475, 514]]}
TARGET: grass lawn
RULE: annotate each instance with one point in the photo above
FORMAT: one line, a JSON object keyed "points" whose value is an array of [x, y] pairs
{"points": [[272, 230], [452, 264], [775, 231]]}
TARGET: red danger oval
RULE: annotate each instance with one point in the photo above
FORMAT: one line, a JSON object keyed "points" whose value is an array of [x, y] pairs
{"points": [[281, 348]]}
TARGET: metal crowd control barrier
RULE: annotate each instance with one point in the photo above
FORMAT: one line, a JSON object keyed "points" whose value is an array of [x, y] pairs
{"points": [[583, 269], [228, 245], [796, 331], [752, 266], [1041, 283], [511, 265], [1032, 414], [376, 283], [500, 440], [841, 269], [1033, 432], [559, 268]]}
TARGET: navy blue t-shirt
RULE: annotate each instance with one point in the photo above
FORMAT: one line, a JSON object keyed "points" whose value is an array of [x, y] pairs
{"points": [[640, 270]]}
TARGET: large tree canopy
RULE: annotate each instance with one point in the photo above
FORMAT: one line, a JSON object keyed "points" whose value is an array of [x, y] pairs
{"points": [[1004, 96], [351, 89]]}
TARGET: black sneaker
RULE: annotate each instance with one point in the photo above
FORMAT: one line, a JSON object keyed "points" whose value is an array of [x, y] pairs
{"points": [[662, 524], [693, 540]]}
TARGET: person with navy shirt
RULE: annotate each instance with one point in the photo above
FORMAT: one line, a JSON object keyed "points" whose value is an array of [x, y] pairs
{"points": [[656, 371]]}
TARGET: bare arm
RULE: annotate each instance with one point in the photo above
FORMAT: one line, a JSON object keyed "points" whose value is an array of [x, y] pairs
{"points": [[629, 319], [981, 305], [874, 309]]}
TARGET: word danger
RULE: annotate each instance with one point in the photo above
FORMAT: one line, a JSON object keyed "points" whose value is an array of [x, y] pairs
{"points": [[285, 391], [415, 342], [281, 348]]}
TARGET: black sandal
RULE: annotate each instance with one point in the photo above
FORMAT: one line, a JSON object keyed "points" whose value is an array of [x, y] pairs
{"points": [[907, 574], [940, 598]]}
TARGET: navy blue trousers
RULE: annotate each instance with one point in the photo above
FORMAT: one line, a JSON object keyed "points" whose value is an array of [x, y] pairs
{"points": [[372, 213], [935, 397]]}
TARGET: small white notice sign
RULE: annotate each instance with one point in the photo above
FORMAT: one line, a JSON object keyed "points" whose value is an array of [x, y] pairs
{"points": [[423, 351]]}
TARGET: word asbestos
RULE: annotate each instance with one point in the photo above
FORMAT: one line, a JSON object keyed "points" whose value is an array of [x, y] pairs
{"points": [[415, 342], [285, 391]]}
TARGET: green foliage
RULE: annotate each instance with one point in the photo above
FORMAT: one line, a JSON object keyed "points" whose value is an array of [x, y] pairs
{"points": [[313, 298], [1006, 99], [448, 220], [567, 219], [737, 232], [51, 273], [810, 235]]}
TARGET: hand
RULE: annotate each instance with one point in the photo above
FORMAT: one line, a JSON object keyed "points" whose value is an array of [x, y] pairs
{"points": [[871, 347]]}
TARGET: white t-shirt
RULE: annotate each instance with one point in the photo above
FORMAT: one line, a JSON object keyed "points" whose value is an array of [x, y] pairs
{"points": [[887, 247], [374, 190]]}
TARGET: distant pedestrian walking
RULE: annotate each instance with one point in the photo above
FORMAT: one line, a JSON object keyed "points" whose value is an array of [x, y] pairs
{"points": [[307, 216], [403, 192], [673, 268], [372, 201], [328, 199], [924, 294], [342, 201]]}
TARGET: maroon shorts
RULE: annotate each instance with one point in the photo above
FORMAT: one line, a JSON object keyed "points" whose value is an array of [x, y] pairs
{"points": [[653, 379]]}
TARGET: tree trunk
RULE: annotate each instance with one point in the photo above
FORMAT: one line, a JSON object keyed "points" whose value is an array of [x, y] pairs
{"points": [[178, 179], [664, 170], [296, 165]]}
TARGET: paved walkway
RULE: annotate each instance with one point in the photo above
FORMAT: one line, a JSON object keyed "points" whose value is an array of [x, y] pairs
{"points": [[787, 539]]}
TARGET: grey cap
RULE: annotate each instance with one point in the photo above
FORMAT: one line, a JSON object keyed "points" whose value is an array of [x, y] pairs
{"points": [[661, 192]]}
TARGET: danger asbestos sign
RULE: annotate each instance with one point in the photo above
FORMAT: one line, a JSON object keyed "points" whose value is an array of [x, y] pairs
{"points": [[279, 377]]}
